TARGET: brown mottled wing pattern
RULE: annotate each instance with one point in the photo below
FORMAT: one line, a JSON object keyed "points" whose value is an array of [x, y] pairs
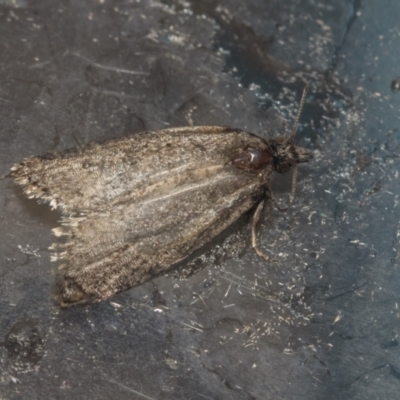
{"points": [[138, 205]]}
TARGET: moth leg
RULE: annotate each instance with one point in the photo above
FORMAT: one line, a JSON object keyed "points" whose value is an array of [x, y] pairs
{"points": [[254, 222]]}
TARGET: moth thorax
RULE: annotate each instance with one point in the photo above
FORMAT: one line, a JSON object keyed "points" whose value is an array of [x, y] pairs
{"points": [[252, 158]]}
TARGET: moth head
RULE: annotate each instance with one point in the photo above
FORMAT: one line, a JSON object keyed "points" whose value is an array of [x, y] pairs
{"points": [[285, 155]]}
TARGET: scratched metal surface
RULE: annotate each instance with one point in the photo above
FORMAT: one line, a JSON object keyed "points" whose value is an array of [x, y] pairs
{"points": [[322, 322]]}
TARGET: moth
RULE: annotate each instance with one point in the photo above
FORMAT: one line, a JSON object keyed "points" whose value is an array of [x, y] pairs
{"points": [[134, 207]]}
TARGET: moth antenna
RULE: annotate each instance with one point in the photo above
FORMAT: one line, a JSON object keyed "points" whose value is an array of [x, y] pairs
{"points": [[299, 111], [292, 194], [254, 222]]}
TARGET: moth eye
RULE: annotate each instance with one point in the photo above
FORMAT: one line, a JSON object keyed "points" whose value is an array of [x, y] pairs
{"points": [[252, 158]]}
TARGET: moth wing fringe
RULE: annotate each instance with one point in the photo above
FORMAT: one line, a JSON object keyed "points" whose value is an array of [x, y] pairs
{"points": [[22, 175]]}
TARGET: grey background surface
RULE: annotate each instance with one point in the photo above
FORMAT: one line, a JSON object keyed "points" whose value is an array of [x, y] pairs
{"points": [[322, 322]]}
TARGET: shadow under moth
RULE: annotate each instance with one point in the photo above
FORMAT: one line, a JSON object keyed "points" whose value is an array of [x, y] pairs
{"points": [[136, 206]]}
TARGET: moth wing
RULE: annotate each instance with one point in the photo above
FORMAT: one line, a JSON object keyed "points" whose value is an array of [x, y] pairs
{"points": [[135, 240], [87, 179], [138, 205]]}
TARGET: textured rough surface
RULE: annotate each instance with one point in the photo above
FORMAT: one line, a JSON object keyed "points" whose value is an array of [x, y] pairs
{"points": [[323, 321]]}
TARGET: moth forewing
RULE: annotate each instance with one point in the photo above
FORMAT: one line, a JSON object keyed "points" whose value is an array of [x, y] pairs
{"points": [[90, 178]]}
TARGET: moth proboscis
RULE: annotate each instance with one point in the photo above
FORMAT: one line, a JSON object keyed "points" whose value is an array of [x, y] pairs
{"points": [[136, 206]]}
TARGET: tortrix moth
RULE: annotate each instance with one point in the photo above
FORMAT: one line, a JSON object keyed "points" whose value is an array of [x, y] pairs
{"points": [[136, 206]]}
